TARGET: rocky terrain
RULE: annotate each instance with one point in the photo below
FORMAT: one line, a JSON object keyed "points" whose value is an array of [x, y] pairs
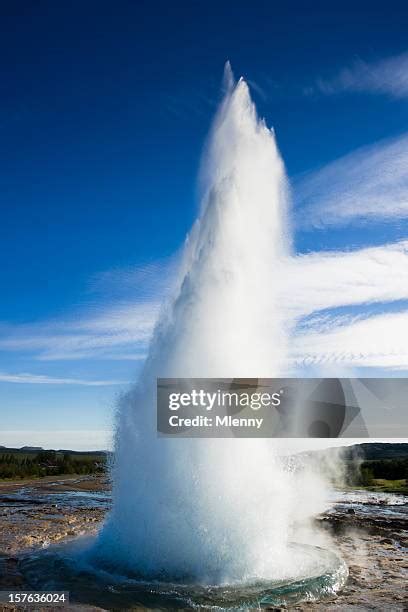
{"points": [[376, 554], [33, 520], [37, 514]]}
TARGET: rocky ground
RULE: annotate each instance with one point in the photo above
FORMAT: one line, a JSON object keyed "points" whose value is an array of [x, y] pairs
{"points": [[39, 524], [376, 554], [374, 549]]}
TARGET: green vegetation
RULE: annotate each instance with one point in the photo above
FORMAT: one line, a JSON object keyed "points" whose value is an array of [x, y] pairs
{"points": [[15, 463], [389, 475], [389, 486], [371, 451], [377, 466]]}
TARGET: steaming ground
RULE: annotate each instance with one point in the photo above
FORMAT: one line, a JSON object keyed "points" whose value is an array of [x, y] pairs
{"points": [[217, 511]]}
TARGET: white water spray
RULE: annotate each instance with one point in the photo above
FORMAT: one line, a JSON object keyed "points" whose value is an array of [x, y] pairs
{"points": [[216, 511]]}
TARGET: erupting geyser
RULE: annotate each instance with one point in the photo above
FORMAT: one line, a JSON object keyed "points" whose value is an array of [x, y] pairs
{"points": [[216, 511]]}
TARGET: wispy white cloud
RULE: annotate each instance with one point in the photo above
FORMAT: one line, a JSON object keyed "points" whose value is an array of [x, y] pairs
{"points": [[116, 325], [312, 283], [379, 341], [325, 280], [147, 282], [388, 76], [368, 184], [39, 379], [98, 334], [331, 331]]}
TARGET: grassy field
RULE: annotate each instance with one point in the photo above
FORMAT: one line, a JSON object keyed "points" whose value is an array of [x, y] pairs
{"points": [[388, 486]]}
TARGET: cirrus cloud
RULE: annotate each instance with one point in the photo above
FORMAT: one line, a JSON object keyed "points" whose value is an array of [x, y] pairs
{"points": [[40, 379], [387, 76], [379, 341], [368, 184]]}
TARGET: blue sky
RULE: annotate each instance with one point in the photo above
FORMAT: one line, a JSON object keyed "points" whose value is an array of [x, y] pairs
{"points": [[104, 111]]}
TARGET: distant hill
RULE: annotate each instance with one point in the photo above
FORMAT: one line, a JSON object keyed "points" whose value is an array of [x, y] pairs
{"points": [[380, 466], [367, 451], [39, 449], [374, 451]]}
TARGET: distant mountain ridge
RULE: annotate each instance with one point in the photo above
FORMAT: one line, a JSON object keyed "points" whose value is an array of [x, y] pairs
{"points": [[39, 449], [372, 451], [367, 451]]}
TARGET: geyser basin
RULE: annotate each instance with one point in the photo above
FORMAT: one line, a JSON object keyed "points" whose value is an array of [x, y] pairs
{"points": [[60, 569]]}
